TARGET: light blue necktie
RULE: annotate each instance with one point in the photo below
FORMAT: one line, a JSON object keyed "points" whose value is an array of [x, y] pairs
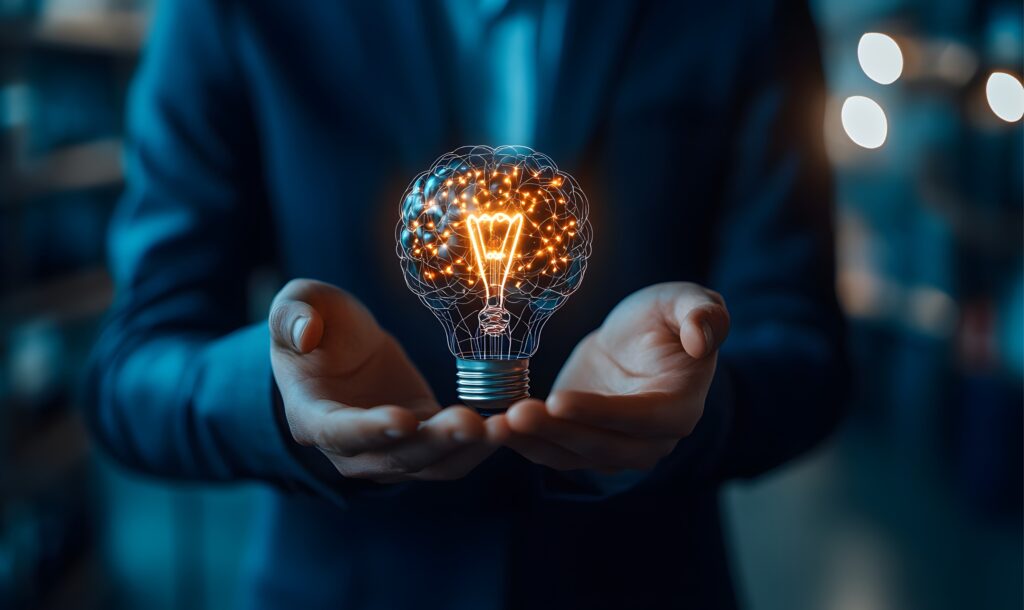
{"points": [[514, 46]]}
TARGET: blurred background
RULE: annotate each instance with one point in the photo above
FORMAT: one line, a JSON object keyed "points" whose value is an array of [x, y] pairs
{"points": [[915, 503]]}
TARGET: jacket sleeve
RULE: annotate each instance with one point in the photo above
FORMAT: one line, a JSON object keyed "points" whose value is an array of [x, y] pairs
{"points": [[782, 377], [177, 385]]}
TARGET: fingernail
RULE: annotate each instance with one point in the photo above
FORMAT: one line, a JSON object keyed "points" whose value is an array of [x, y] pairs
{"points": [[298, 326], [394, 433], [708, 335]]}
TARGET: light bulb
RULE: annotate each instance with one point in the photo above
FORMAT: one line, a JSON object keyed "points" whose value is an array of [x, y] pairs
{"points": [[493, 241]]}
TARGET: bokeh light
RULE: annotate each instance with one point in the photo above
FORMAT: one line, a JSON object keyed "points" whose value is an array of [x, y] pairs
{"points": [[864, 121], [1005, 96], [880, 57]]}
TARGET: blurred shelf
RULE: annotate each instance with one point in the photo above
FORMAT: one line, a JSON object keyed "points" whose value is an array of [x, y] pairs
{"points": [[67, 299], [117, 33], [71, 60], [80, 166]]}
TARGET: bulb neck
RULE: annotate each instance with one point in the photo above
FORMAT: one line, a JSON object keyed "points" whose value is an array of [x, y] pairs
{"points": [[490, 386], [494, 319]]}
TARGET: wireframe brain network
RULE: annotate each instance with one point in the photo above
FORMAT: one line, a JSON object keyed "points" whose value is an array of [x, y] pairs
{"points": [[493, 240]]}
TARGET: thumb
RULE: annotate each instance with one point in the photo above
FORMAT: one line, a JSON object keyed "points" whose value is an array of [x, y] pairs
{"points": [[307, 315], [295, 324], [703, 322]]}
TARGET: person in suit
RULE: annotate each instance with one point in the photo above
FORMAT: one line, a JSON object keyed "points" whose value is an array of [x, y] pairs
{"points": [[264, 133]]}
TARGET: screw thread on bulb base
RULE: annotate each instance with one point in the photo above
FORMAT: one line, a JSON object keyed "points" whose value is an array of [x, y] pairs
{"points": [[490, 386]]}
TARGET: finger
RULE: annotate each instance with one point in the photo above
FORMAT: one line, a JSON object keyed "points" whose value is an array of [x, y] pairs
{"points": [[715, 296], [305, 312], [349, 431], [295, 326], [703, 330], [535, 449], [602, 448], [497, 430], [423, 408], [703, 322], [450, 430], [644, 415]]}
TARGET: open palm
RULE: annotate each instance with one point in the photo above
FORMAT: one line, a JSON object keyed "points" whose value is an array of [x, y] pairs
{"points": [[631, 389], [350, 391]]}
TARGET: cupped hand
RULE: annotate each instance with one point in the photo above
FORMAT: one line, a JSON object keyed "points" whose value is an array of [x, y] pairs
{"points": [[631, 389], [350, 391]]}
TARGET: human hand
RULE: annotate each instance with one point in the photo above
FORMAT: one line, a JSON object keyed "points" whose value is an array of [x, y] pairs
{"points": [[350, 391], [631, 389]]}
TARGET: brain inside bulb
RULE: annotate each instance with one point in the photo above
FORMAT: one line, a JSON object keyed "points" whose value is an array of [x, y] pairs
{"points": [[493, 241]]}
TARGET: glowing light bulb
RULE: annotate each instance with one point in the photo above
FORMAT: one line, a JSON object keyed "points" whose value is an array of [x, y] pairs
{"points": [[493, 241], [495, 252]]}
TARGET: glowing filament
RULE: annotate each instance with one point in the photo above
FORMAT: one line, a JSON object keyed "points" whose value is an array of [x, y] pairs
{"points": [[495, 240]]}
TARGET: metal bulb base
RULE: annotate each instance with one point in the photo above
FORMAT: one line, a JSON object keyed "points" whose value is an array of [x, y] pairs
{"points": [[490, 386]]}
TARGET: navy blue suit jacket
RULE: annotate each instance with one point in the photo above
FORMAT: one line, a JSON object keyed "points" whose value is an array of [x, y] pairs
{"points": [[283, 133]]}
